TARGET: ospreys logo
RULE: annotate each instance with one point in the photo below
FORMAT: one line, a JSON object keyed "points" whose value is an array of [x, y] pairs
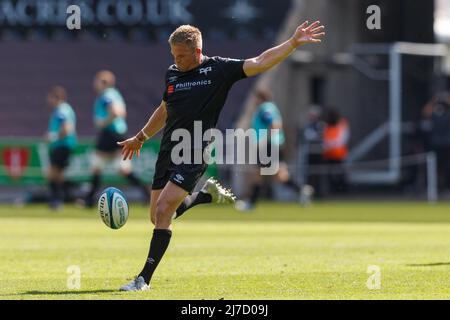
{"points": [[205, 70]]}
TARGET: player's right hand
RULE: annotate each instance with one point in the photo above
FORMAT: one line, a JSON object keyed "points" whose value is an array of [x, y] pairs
{"points": [[130, 147]]}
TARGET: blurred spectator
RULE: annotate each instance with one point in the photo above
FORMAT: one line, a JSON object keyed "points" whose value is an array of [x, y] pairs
{"points": [[438, 112], [336, 135], [313, 141], [426, 124]]}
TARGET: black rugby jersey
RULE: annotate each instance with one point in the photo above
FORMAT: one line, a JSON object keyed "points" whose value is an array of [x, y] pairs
{"points": [[198, 95]]}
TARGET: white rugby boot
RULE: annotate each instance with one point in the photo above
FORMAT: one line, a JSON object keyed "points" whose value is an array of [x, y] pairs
{"points": [[137, 284], [218, 193]]}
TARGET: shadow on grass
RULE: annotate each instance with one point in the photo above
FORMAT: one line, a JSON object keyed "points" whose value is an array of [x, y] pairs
{"points": [[436, 264], [72, 292]]}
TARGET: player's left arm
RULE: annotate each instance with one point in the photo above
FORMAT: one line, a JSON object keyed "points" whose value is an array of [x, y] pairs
{"points": [[305, 34]]}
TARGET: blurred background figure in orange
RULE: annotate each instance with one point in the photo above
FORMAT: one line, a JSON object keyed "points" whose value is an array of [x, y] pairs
{"points": [[336, 136]]}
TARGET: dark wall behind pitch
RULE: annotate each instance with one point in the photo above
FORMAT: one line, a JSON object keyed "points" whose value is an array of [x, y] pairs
{"points": [[29, 69], [407, 21]]}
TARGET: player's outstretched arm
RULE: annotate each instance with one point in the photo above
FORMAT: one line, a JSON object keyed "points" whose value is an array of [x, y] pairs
{"points": [[156, 122], [306, 33]]}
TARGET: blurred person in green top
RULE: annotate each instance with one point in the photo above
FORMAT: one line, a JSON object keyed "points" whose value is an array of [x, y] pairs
{"points": [[110, 121], [267, 117], [62, 139]]}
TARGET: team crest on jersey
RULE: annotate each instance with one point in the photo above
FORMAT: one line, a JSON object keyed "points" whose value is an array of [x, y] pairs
{"points": [[205, 70]]}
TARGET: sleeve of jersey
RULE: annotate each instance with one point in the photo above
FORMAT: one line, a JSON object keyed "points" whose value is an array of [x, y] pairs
{"points": [[107, 101], [233, 69], [61, 118], [267, 118]]}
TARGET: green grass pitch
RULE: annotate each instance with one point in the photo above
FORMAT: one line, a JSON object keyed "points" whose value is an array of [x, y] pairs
{"points": [[280, 251]]}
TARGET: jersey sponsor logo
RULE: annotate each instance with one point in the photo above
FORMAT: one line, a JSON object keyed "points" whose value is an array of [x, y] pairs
{"points": [[173, 79], [205, 70], [187, 85]]}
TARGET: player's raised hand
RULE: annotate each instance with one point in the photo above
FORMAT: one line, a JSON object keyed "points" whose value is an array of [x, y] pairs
{"points": [[308, 33], [130, 147]]}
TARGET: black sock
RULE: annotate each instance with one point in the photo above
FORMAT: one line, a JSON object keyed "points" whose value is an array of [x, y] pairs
{"points": [[95, 185], [68, 190], [193, 200], [293, 185], [136, 182], [256, 190], [158, 246], [55, 191]]}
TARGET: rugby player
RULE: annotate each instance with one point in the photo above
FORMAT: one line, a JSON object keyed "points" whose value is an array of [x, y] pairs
{"points": [[267, 117], [109, 117], [196, 87], [62, 139]]}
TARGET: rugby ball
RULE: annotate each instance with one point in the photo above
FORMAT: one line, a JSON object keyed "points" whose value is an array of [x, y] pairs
{"points": [[113, 208]]}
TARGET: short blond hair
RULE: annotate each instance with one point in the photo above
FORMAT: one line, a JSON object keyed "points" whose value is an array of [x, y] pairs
{"points": [[188, 35]]}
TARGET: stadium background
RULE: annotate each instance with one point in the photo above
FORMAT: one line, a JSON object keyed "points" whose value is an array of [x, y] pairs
{"points": [[130, 38], [280, 250]]}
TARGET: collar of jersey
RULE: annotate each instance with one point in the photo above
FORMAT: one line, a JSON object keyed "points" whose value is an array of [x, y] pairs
{"points": [[205, 60]]}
